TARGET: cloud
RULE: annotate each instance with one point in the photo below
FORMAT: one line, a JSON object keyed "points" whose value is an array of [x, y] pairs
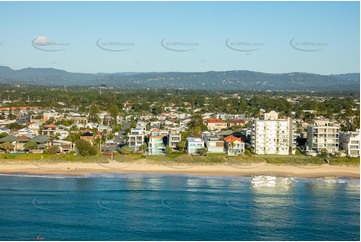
{"points": [[41, 40]]}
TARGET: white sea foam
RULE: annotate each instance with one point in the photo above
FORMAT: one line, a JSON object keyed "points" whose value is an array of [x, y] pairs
{"points": [[272, 182]]}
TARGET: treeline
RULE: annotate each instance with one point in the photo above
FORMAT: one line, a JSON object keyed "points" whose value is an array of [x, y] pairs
{"points": [[92, 100]]}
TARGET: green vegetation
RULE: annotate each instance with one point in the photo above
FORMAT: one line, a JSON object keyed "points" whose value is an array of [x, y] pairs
{"points": [[85, 148], [125, 150]]}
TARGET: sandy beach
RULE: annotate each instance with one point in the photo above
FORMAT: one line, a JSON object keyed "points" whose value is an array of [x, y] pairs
{"points": [[142, 166]]}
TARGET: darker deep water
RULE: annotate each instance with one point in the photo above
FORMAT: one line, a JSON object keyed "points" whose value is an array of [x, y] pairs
{"points": [[173, 207]]}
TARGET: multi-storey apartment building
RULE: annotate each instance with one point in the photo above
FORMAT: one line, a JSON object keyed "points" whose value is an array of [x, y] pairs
{"points": [[350, 142], [323, 134], [273, 135], [136, 138]]}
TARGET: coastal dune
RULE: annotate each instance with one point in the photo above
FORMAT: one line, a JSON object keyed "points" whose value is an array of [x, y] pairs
{"points": [[79, 168]]}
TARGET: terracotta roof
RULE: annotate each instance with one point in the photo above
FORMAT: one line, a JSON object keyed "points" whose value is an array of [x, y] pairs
{"points": [[214, 120], [236, 121], [50, 126], [231, 139]]}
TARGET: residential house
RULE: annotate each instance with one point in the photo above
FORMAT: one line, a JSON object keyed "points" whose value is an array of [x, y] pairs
{"points": [[21, 141], [136, 138], [225, 116], [34, 127], [88, 136], [194, 144], [323, 134], [213, 143], [174, 137], [155, 144], [234, 145], [5, 130], [215, 124], [236, 122], [273, 135], [50, 130], [350, 142], [25, 131], [51, 114], [43, 142], [64, 146]]}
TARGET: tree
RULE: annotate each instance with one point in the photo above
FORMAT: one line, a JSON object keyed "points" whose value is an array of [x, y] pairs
{"points": [[93, 114], [30, 145], [53, 150], [143, 147], [125, 150], [85, 148], [14, 126], [113, 110], [202, 151], [324, 152], [7, 146], [3, 135], [168, 150], [181, 145]]}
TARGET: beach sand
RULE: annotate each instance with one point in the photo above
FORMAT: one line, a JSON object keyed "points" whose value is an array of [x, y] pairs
{"points": [[141, 166]]}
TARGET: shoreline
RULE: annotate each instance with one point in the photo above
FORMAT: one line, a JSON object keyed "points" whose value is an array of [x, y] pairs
{"points": [[142, 167]]}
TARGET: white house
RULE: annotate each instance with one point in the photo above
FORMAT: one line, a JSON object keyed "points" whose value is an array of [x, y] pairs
{"points": [[194, 144], [350, 142]]}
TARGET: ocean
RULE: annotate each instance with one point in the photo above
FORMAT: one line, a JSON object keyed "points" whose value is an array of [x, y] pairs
{"points": [[178, 207]]}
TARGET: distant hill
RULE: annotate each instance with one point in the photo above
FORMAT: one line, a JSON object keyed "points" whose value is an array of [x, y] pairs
{"points": [[212, 80]]}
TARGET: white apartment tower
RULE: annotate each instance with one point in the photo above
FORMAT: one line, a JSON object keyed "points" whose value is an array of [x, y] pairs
{"points": [[273, 135], [350, 142], [323, 134]]}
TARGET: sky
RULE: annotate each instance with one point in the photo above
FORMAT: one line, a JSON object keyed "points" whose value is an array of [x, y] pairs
{"points": [[93, 37]]}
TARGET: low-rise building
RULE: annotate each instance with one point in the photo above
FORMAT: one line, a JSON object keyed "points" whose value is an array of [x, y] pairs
{"points": [[234, 145], [50, 130], [174, 137], [194, 144], [213, 143], [236, 122], [215, 124], [350, 142]]}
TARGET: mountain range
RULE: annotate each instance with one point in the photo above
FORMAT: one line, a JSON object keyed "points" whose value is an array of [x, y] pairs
{"points": [[212, 80]]}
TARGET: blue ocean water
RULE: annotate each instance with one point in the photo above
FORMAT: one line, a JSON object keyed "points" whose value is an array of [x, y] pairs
{"points": [[178, 207]]}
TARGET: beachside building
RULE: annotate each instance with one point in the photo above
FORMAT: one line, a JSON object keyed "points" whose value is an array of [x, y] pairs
{"points": [[273, 135], [136, 138], [215, 124], [350, 142], [155, 144], [194, 144], [174, 137], [213, 143], [323, 134], [234, 145]]}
